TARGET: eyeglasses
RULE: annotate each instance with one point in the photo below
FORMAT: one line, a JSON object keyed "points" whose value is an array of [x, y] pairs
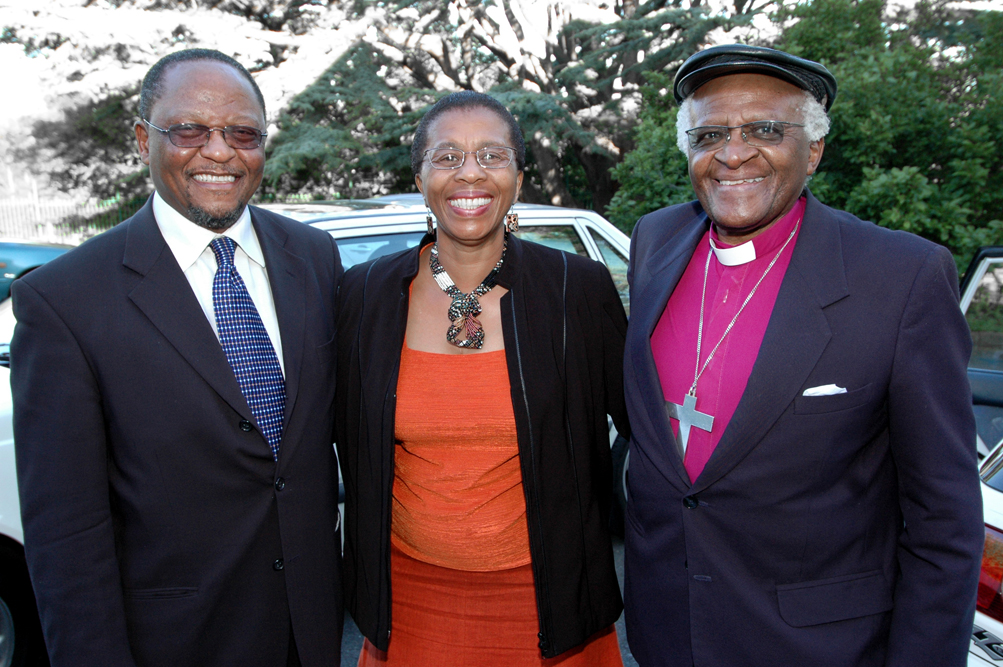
{"points": [[760, 133], [489, 157], [189, 135]]}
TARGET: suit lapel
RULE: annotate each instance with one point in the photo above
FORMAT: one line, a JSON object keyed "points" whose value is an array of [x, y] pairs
{"points": [[795, 338], [166, 298], [654, 295], [287, 278]]}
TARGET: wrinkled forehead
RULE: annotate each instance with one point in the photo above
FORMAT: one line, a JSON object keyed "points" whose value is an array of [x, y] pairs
{"points": [[736, 99], [200, 85]]}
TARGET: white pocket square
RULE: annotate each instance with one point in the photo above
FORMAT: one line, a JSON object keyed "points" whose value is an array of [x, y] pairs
{"points": [[825, 390]]}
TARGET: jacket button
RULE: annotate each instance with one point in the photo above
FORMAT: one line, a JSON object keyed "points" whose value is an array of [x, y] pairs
{"points": [[280, 484], [691, 502], [278, 565], [245, 425]]}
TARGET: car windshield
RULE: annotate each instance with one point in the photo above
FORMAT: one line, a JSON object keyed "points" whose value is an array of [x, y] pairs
{"points": [[359, 249]]}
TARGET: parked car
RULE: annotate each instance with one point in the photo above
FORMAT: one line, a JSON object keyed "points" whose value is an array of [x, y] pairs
{"points": [[21, 643], [370, 228], [982, 301], [17, 259], [364, 229]]}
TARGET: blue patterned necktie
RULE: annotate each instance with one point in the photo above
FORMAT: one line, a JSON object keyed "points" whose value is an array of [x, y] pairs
{"points": [[247, 345]]}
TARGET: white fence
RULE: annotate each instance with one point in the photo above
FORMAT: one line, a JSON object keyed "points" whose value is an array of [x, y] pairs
{"points": [[32, 219]]}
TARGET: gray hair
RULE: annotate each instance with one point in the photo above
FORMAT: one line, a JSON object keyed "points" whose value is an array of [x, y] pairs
{"points": [[813, 116]]}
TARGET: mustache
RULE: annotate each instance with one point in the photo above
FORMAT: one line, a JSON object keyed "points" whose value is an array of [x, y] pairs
{"points": [[190, 173]]}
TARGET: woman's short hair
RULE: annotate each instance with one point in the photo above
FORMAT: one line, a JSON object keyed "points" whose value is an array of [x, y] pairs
{"points": [[465, 100]]}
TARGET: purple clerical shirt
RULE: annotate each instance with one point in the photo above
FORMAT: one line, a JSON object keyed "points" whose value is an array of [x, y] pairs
{"points": [[674, 341]]}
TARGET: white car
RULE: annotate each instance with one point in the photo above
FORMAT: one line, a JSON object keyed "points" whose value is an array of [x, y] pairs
{"points": [[982, 301], [368, 228], [364, 229]]}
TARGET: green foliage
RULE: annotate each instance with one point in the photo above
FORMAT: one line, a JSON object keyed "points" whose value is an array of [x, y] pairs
{"points": [[985, 316], [914, 142], [655, 174], [916, 126], [348, 134], [831, 31], [92, 148]]}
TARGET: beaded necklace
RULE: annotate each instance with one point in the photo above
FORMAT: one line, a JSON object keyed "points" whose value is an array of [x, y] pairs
{"points": [[465, 308]]}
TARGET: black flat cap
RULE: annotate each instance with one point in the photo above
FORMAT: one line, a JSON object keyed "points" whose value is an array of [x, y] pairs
{"points": [[738, 58]]}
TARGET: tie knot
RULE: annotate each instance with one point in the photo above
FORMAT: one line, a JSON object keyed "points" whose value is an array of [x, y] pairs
{"points": [[223, 247]]}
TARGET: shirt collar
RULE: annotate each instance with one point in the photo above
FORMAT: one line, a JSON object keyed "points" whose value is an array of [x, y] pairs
{"points": [[188, 241], [770, 240]]}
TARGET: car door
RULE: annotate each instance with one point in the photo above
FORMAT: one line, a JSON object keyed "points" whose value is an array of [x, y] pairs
{"points": [[982, 303]]}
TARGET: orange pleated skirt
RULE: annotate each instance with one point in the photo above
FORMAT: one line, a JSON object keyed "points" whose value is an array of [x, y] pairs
{"points": [[443, 617]]}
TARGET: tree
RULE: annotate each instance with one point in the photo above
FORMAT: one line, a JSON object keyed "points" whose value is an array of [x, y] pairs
{"points": [[95, 145], [655, 174], [572, 83], [86, 146], [915, 127]]}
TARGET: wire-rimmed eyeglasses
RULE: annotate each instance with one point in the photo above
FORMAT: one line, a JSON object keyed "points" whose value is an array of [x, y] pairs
{"points": [[489, 157], [759, 133], [191, 135]]}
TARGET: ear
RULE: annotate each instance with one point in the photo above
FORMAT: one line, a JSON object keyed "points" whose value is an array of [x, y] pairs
{"points": [[518, 186], [417, 181], [143, 140], [815, 150]]}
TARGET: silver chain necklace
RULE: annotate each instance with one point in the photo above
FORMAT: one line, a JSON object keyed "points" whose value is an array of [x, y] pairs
{"points": [[687, 413], [703, 297]]}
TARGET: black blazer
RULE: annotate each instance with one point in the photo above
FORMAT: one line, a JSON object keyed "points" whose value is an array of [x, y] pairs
{"points": [[158, 529], [563, 325], [827, 530]]}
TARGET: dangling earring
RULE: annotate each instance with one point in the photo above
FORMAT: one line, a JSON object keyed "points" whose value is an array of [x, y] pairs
{"points": [[429, 221], [512, 222]]}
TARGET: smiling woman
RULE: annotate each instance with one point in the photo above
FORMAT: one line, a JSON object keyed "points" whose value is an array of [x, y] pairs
{"points": [[494, 509]]}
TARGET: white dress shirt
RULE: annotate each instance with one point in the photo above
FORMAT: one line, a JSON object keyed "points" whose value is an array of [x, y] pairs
{"points": [[190, 245]]}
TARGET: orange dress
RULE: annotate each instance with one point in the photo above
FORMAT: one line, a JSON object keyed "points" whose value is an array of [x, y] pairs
{"points": [[462, 589]]}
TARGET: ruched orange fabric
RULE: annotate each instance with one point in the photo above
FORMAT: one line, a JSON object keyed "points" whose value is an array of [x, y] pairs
{"points": [[462, 589], [457, 500], [451, 618]]}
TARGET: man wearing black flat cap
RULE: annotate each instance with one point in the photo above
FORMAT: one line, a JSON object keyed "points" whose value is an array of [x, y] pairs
{"points": [[803, 486]]}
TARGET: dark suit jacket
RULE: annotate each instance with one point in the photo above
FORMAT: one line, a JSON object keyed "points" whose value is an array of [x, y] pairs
{"points": [[830, 530], [158, 528]]}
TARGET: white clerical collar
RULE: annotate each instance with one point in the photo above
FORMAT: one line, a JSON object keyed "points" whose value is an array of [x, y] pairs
{"points": [[187, 240], [735, 255]]}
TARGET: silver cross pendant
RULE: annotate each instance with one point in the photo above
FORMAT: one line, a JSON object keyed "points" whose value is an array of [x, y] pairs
{"points": [[688, 416]]}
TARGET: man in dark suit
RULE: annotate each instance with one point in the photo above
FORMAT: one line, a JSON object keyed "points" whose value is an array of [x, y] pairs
{"points": [[803, 486], [172, 383]]}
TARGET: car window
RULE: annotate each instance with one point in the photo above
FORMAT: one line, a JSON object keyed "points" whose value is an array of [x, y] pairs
{"points": [[358, 249], [991, 468], [562, 237], [985, 319], [617, 265]]}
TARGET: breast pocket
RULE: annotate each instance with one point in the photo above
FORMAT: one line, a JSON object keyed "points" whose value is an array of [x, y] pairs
{"points": [[813, 405]]}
